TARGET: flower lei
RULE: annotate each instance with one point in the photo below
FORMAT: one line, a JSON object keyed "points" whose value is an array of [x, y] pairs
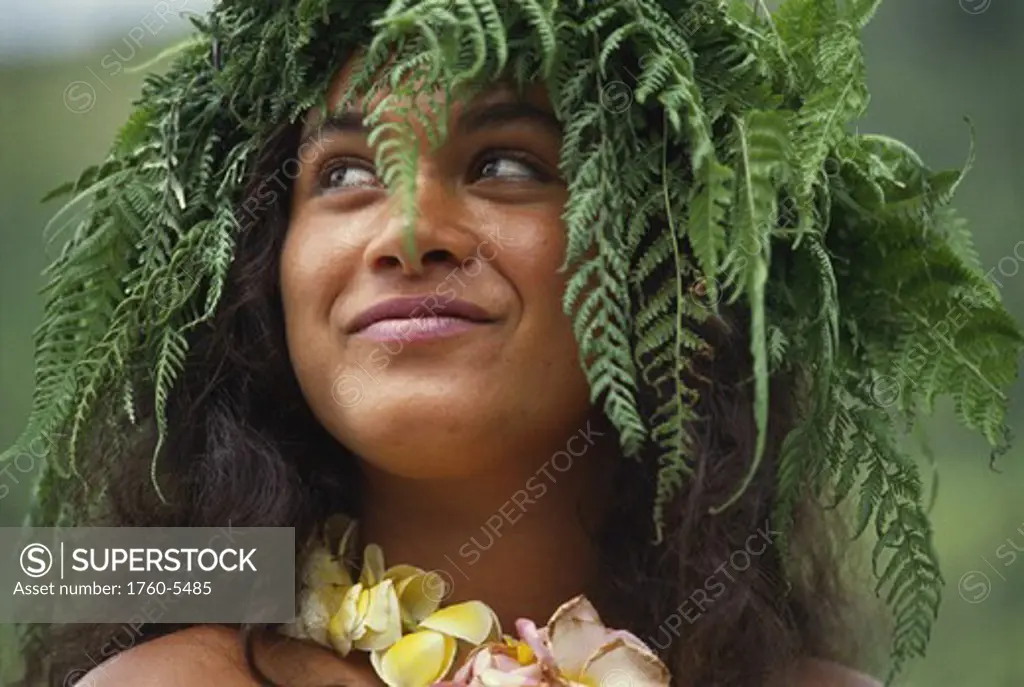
{"points": [[413, 641]]}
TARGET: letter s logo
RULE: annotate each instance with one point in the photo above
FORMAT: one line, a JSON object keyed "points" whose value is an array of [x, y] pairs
{"points": [[36, 560]]}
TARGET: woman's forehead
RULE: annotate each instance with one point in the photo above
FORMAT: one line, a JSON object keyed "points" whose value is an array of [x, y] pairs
{"points": [[502, 90]]}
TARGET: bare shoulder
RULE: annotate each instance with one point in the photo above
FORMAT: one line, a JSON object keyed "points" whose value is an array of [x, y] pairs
{"points": [[214, 656], [205, 655], [818, 673]]}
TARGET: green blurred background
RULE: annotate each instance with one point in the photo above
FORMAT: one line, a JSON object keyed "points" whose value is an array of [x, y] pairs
{"points": [[64, 90]]}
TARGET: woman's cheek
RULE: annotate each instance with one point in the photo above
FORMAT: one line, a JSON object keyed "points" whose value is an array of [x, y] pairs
{"points": [[316, 266]]}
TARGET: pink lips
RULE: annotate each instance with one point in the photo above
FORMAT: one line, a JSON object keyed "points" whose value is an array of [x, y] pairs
{"points": [[417, 318], [416, 329]]}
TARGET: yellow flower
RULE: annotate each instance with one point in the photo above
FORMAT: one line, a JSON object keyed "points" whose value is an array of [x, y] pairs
{"points": [[416, 660], [414, 597], [410, 582], [369, 618], [425, 656], [374, 613], [325, 581], [384, 602]]}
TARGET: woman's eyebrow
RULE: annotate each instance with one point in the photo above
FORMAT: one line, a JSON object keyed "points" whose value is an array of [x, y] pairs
{"points": [[506, 112], [345, 122], [494, 114]]}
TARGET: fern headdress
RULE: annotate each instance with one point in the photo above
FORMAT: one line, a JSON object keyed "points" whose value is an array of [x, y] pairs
{"points": [[856, 272]]}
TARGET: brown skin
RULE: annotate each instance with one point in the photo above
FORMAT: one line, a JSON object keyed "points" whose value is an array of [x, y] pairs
{"points": [[447, 430]]}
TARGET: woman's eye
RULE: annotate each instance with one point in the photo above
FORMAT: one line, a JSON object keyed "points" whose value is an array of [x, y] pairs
{"points": [[346, 175], [507, 165]]}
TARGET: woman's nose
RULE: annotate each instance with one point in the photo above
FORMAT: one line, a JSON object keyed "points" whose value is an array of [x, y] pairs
{"points": [[440, 233]]}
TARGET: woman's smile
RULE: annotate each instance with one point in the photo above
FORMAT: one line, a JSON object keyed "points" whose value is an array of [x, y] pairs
{"points": [[418, 329], [418, 319]]}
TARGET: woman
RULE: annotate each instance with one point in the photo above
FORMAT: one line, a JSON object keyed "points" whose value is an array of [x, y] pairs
{"points": [[317, 311]]}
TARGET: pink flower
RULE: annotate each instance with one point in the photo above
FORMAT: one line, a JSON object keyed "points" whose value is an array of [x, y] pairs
{"points": [[574, 649], [500, 665]]}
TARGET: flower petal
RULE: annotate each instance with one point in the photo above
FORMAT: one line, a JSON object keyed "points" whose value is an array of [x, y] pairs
{"points": [[479, 659], [341, 641], [383, 621], [535, 640], [346, 623], [373, 565], [321, 569], [577, 608], [505, 663], [383, 606], [573, 641], [470, 621], [349, 617], [574, 632], [416, 602], [629, 638], [340, 530], [315, 617], [495, 665], [316, 608], [312, 620], [624, 664], [399, 572], [416, 660], [500, 678]]}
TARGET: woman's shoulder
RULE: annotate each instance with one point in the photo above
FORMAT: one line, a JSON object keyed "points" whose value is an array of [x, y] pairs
{"points": [[203, 655], [214, 656]]}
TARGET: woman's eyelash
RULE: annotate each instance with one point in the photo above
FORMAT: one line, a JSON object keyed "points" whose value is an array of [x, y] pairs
{"points": [[524, 159], [332, 165]]}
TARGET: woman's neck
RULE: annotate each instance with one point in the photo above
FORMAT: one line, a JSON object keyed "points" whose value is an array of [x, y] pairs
{"points": [[520, 540]]}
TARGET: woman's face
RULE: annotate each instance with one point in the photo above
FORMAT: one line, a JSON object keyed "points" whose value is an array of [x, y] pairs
{"points": [[471, 363]]}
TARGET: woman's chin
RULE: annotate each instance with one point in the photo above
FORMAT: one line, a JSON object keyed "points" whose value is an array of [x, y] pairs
{"points": [[425, 438], [454, 427]]}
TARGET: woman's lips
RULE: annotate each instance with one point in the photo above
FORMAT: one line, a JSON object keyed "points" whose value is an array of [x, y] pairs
{"points": [[417, 328], [409, 318]]}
